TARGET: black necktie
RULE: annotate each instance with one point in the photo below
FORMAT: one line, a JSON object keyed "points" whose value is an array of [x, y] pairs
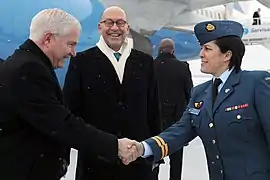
{"points": [[216, 83], [117, 55]]}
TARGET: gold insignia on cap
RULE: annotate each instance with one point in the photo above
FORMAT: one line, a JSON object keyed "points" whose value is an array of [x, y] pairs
{"points": [[210, 27]]}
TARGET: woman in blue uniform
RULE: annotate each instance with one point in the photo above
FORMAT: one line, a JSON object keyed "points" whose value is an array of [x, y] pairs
{"points": [[230, 113]]}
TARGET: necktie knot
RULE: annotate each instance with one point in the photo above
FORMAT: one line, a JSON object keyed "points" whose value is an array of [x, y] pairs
{"points": [[117, 55], [217, 82]]}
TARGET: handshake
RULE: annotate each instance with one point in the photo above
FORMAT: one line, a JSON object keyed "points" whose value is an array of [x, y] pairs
{"points": [[129, 150]]}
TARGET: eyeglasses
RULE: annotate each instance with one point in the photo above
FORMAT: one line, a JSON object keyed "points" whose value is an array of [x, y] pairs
{"points": [[119, 23]]}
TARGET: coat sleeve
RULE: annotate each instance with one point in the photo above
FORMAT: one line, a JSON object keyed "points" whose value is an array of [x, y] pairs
{"points": [[262, 102], [72, 87], [173, 138], [40, 108]]}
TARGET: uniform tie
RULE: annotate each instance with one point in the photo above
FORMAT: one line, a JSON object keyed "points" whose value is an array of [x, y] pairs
{"points": [[216, 83], [117, 55]]}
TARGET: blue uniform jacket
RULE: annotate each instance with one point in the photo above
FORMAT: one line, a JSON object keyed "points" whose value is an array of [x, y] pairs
{"points": [[235, 131]]}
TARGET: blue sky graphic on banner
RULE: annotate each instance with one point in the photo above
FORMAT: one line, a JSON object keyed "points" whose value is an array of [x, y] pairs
{"points": [[16, 17], [186, 44]]}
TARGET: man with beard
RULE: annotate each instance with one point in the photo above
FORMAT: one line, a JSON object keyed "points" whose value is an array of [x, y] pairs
{"points": [[112, 87]]}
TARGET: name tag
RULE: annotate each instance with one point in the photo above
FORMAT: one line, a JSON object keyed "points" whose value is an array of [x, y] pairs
{"points": [[194, 111]]}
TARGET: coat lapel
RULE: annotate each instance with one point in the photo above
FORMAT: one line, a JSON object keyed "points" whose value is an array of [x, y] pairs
{"points": [[227, 89], [106, 65], [130, 67], [208, 100]]}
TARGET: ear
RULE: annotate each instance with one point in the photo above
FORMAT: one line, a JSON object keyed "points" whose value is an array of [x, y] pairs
{"points": [[48, 38], [228, 55], [128, 29], [99, 28]]}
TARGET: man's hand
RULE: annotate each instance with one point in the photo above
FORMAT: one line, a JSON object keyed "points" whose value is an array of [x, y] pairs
{"points": [[140, 148], [129, 150]]}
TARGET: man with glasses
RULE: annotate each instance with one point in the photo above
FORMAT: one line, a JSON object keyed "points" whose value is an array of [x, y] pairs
{"points": [[112, 87]]}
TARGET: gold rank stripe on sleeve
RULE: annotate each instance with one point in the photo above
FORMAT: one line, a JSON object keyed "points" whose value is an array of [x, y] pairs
{"points": [[163, 146]]}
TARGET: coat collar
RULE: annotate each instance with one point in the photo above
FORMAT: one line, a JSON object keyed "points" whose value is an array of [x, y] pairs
{"points": [[225, 92], [125, 51], [165, 56], [29, 45]]}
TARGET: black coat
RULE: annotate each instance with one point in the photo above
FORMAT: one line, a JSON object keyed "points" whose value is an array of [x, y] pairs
{"points": [[92, 90], [174, 85], [36, 130]]}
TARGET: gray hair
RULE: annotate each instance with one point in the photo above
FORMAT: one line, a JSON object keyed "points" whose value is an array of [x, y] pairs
{"points": [[54, 21]]}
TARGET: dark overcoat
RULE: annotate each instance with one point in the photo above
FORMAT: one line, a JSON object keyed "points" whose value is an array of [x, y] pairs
{"points": [[129, 109], [36, 130], [174, 86]]}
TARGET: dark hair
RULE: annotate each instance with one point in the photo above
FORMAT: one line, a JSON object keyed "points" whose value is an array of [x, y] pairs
{"points": [[236, 46]]}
